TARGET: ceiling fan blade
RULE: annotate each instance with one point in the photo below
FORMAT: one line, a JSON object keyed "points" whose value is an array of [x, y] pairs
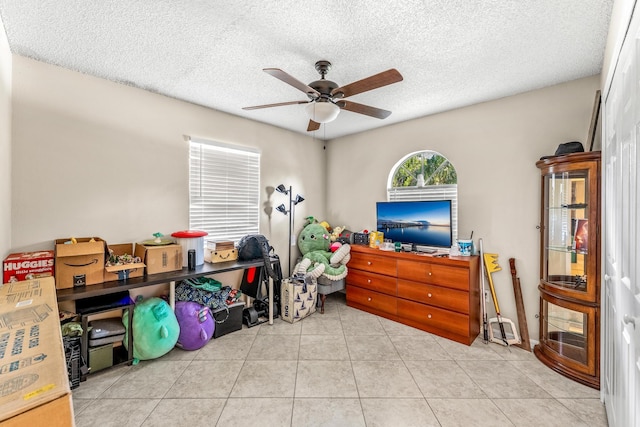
{"points": [[373, 82], [279, 104], [313, 126], [378, 113], [288, 79]]}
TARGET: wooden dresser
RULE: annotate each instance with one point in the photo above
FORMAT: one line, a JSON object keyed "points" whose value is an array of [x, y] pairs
{"points": [[437, 295]]}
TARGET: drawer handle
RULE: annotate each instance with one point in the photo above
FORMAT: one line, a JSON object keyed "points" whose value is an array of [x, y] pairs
{"points": [[368, 280], [368, 262], [429, 273], [428, 316], [429, 294], [369, 299]]}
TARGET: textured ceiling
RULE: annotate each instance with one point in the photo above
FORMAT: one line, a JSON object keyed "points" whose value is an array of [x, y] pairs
{"points": [[451, 53]]}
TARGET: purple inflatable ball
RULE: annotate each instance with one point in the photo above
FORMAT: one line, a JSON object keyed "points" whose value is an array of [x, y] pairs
{"points": [[196, 325]]}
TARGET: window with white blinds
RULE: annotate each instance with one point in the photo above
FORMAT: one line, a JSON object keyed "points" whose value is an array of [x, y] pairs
{"points": [[224, 189], [430, 192]]}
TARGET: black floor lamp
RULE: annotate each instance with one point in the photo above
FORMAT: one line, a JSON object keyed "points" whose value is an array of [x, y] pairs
{"points": [[292, 203]]}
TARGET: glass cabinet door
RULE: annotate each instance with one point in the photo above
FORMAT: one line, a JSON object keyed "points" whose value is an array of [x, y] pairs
{"points": [[567, 251], [568, 333]]}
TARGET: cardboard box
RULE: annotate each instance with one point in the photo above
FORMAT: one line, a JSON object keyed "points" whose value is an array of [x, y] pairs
{"points": [[81, 263], [160, 259], [214, 256], [27, 265], [34, 382], [220, 251], [376, 238], [123, 271], [57, 413]]}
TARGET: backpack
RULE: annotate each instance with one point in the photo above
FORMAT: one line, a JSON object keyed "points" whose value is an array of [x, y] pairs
{"points": [[256, 246]]}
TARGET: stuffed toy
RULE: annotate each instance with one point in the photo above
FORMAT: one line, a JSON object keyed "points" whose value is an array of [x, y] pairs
{"points": [[326, 225], [155, 329], [335, 233], [196, 325], [317, 259]]}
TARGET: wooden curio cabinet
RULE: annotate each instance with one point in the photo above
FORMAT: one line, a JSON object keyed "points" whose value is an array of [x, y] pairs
{"points": [[570, 266]]}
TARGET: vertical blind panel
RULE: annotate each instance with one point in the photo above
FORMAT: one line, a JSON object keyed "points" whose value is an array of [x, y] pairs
{"points": [[430, 192], [224, 190]]}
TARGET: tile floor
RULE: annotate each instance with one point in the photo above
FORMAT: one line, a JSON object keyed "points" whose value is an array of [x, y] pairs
{"points": [[342, 368]]}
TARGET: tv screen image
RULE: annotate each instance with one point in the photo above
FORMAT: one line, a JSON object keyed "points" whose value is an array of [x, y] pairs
{"points": [[424, 223]]}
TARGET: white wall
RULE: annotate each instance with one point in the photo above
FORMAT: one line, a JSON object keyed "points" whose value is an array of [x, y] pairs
{"points": [[494, 147], [5, 143], [96, 158]]}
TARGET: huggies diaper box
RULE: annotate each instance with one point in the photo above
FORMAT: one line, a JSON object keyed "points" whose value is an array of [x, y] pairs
{"points": [[27, 265]]}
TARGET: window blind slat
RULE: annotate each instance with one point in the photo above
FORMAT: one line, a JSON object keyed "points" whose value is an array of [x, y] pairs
{"points": [[224, 189]]}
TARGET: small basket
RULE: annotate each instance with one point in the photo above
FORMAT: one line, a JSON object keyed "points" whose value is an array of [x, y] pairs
{"points": [[73, 359], [361, 238]]}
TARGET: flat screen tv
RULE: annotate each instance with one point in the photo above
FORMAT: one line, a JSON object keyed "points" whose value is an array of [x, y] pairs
{"points": [[422, 223]]}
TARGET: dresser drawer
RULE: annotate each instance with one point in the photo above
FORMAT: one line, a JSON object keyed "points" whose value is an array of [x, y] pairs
{"points": [[371, 281], [433, 317], [452, 277], [371, 300], [439, 296], [373, 263]]}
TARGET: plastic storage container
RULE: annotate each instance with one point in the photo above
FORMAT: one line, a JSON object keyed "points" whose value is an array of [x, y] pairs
{"points": [[228, 319], [191, 239]]}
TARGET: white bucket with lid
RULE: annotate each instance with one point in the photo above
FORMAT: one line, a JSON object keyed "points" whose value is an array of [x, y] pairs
{"points": [[191, 239]]}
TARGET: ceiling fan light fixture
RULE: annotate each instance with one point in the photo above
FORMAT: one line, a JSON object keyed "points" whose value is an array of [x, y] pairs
{"points": [[322, 111]]}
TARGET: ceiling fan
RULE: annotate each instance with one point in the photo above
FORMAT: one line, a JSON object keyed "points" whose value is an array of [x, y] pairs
{"points": [[326, 98]]}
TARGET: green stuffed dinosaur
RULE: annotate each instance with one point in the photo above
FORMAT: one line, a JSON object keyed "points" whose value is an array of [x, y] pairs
{"points": [[314, 242]]}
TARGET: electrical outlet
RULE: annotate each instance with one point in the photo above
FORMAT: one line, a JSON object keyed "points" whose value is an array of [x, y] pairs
{"points": [[486, 296]]}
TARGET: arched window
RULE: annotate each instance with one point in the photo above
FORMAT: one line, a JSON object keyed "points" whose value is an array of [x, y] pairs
{"points": [[425, 175]]}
